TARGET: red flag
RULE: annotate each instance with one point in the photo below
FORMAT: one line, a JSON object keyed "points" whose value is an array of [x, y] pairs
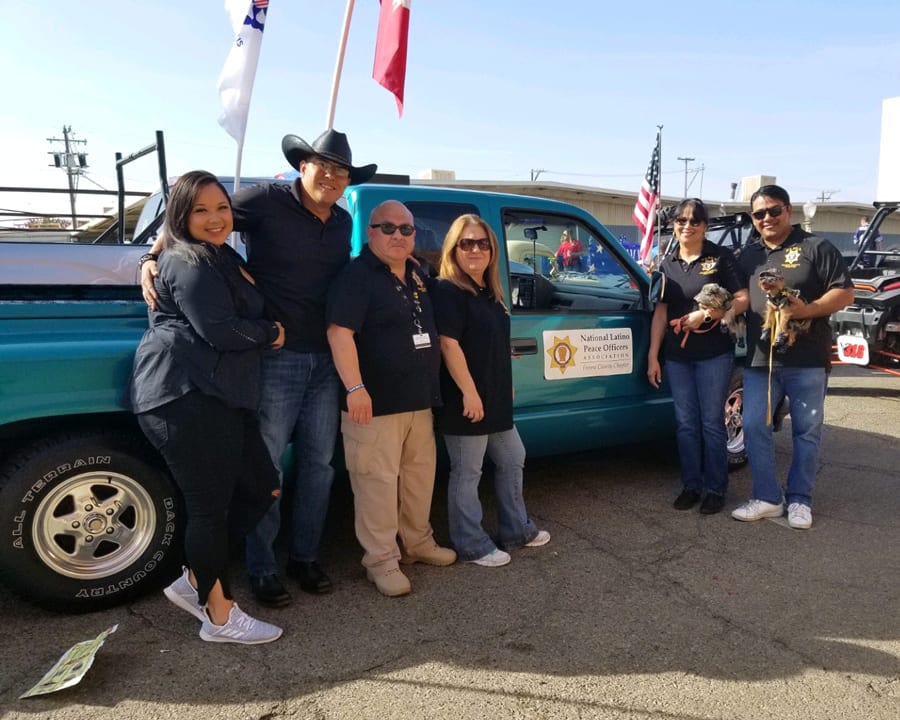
{"points": [[644, 214], [390, 47]]}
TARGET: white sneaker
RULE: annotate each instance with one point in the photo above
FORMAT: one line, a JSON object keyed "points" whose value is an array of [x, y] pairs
{"points": [[183, 594], [755, 509], [240, 628], [542, 538], [799, 516], [495, 558]]}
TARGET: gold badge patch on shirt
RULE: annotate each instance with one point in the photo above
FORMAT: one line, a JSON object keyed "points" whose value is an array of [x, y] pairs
{"points": [[708, 265], [792, 256]]}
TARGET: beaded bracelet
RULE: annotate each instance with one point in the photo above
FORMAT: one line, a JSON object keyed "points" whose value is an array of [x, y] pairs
{"points": [[355, 388]]}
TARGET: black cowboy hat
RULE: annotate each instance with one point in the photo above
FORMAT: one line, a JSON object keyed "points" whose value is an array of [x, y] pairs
{"points": [[331, 145]]}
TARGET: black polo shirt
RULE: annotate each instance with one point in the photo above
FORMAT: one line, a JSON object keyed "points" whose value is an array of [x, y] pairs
{"points": [[383, 314], [293, 256], [683, 281], [481, 326], [811, 265]]}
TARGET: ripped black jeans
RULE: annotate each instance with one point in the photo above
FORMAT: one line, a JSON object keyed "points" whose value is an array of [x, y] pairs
{"points": [[224, 471]]}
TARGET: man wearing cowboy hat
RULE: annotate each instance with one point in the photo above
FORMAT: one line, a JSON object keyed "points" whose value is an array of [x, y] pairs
{"points": [[297, 241]]}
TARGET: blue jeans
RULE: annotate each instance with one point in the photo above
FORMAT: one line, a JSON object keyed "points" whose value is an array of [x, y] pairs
{"points": [[299, 403], [805, 388], [514, 527], [699, 389]]}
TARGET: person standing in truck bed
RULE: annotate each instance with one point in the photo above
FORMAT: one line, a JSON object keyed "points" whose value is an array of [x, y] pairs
{"points": [[298, 240]]}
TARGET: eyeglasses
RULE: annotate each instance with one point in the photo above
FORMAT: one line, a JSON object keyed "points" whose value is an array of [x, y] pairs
{"points": [[338, 171], [773, 211], [469, 244], [688, 221], [388, 228]]}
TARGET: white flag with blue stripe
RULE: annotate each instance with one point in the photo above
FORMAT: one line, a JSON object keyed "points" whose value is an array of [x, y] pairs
{"points": [[248, 18]]}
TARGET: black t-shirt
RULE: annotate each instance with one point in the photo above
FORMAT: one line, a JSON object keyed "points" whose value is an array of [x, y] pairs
{"points": [[293, 256], [811, 265], [481, 326], [385, 316], [683, 281]]}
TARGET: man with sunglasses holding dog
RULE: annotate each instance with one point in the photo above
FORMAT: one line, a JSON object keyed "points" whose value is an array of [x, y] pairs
{"points": [[815, 269], [387, 353]]}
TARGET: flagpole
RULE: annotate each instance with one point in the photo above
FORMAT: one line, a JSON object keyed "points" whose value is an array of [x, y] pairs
{"points": [[339, 65], [659, 129]]}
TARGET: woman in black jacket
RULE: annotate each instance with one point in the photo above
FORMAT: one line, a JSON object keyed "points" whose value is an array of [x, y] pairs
{"points": [[195, 390]]}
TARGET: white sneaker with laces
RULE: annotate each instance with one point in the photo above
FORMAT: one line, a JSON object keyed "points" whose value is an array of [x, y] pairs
{"points": [[542, 538], [495, 558], [183, 594], [755, 509], [240, 628], [799, 516]]}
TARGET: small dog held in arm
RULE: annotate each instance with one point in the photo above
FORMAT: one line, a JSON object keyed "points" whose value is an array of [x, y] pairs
{"points": [[713, 297], [781, 334]]}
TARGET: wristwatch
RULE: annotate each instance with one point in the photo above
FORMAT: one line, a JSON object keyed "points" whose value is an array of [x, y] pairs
{"points": [[145, 257]]}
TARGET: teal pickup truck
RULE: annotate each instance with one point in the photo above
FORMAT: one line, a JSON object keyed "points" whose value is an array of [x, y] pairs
{"points": [[88, 514]]}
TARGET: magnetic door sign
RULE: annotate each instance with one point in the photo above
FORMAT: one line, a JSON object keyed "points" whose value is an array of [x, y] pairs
{"points": [[587, 353]]}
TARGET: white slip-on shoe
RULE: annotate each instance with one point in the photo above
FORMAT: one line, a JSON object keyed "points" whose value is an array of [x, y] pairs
{"points": [[495, 558], [757, 510], [542, 538], [183, 594]]}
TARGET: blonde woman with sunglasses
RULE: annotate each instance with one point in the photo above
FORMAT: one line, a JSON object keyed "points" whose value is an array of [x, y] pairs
{"points": [[476, 385]]}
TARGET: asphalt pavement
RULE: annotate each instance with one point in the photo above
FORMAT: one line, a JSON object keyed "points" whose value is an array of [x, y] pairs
{"points": [[634, 610]]}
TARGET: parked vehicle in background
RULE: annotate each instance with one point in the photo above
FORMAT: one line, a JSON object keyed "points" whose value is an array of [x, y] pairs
{"points": [[868, 330]]}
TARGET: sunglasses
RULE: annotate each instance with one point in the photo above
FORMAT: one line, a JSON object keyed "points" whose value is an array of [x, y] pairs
{"points": [[389, 228], [773, 211], [338, 171], [469, 244], [688, 221]]}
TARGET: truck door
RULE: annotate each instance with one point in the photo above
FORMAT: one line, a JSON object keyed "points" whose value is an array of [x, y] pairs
{"points": [[580, 333]]}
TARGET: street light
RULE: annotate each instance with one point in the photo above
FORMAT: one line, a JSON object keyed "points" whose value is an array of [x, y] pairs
{"points": [[809, 212]]}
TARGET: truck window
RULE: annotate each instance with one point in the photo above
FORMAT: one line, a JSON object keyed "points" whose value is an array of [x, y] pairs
{"points": [[560, 264], [433, 219]]}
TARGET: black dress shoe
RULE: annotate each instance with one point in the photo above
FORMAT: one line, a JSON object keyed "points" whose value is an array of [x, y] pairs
{"points": [[686, 500], [310, 576], [712, 504], [269, 591]]}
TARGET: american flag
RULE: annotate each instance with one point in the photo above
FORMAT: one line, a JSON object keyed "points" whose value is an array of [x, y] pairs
{"points": [[644, 214]]}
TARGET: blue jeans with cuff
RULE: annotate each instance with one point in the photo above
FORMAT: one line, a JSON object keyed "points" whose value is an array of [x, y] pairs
{"points": [[514, 527]]}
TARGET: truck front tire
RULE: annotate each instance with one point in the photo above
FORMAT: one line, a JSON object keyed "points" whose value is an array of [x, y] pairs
{"points": [[88, 520]]}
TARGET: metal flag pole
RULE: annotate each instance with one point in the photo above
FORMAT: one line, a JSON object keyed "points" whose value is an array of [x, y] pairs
{"points": [[339, 65], [659, 129]]}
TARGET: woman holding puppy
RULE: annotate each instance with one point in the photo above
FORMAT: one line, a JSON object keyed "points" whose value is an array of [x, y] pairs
{"points": [[698, 353]]}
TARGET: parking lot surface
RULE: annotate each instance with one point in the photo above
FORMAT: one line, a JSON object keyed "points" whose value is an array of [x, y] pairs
{"points": [[634, 610]]}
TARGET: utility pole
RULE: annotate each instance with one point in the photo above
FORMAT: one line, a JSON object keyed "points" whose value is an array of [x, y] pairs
{"points": [[825, 195], [74, 164], [535, 174], [686, 160]]}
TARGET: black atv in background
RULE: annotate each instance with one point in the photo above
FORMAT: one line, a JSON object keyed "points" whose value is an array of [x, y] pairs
{"points": [[868, 330]]}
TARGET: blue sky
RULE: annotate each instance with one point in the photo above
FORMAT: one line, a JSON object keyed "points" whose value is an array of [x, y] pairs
{"points": [[495, 89]]}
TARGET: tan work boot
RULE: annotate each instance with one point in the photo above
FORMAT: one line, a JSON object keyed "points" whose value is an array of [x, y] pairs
{"points": [[435, 555], [392, 583]]}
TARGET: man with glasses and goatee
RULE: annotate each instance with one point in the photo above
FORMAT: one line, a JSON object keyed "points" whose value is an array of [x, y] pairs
{"points": [[818, 285], [387, 352]]}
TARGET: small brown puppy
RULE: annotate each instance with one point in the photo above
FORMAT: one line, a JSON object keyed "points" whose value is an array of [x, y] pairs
{"points": [[714, 297], [771, 282]]}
